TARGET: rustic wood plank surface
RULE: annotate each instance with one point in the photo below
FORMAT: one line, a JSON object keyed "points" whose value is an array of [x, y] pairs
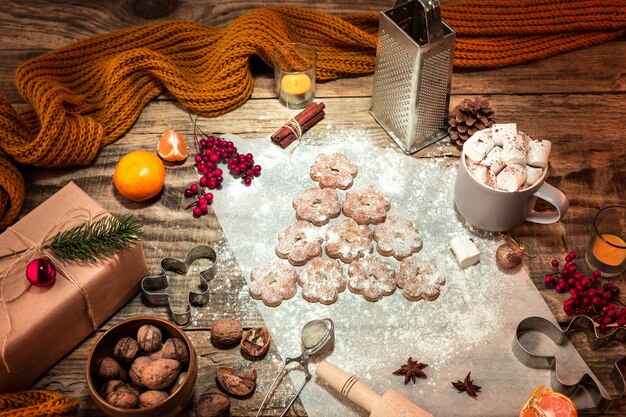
{"points": [[576, 100]]}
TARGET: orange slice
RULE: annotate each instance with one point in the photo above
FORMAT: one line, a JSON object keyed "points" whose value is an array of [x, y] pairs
{"points": [[172, 146], [544, 402]]}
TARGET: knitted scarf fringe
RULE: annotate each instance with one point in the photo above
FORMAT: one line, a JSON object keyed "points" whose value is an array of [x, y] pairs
{"points": [[87, 95]]}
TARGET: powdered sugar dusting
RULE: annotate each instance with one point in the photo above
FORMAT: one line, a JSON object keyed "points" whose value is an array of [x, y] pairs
{"points": [[471, 324]]}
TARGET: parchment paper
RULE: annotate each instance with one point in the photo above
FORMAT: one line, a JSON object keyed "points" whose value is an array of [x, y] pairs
{"points": [[470, 327]]}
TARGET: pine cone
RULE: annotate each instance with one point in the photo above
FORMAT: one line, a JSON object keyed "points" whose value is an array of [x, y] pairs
{"points": [[469, 117]]}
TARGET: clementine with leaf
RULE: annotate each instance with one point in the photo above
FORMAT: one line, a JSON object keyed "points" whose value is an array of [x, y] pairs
{"points": [[544, 402], [139, 175]]}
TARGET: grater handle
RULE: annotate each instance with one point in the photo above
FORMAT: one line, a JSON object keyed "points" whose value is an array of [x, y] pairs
{"points": [[432, 29]]}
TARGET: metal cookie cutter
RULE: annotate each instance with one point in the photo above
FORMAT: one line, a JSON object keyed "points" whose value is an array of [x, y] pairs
{"points": [[153, 287], [316, 336], [566, 377]]}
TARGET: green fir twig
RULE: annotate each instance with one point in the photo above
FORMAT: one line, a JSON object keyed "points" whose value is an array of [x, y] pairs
{"points": [[91, 241]]}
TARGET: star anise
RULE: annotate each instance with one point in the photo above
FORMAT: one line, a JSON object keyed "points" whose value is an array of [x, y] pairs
{"points": [[467, 385], [411, 371]]}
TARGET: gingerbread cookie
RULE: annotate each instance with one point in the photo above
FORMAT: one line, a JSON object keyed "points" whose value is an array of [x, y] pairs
{"points": [[366, 206], [397, 237], [299, 242], [317, 205], [348, 241], [321, 280], [333, 171], [372, 277], [273, 282], [419, 278]]}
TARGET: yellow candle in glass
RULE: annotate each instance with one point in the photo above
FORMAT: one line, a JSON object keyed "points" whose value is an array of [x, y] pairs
{"points": [[295, 83], [608, 254]]}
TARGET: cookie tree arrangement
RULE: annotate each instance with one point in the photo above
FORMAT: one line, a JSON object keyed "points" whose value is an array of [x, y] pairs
{"points": [[350, 242]]}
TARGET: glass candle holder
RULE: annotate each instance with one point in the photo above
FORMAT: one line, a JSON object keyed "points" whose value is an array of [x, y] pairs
{"points": [[606, 250], [294, 71]]}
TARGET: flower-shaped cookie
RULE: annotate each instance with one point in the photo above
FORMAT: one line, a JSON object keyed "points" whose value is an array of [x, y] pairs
{"points": [[366, 206], [333, 171], [397, 237], [348, 241], [321, 280], [273, 282], [419, 278], [317, 205], [299, 242], [372, 277]]}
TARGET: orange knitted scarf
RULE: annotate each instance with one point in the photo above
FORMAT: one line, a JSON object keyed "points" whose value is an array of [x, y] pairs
{"points": [[38, 403], [87, 95]]}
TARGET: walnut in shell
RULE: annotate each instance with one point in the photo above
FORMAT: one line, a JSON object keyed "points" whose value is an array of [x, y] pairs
{"points": [[226, 332], [109, 369], [126, 349], [174, 348], [136, 368], [256, 342], [234, 383], [123, 398], [149, 338], [160, 374], [152, 398], [213, 404]]}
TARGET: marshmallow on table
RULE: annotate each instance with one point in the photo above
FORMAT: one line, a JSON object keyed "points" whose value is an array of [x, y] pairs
{"points": [[511, 178], [493, 160], [532, 175], [478, 145], [465, 251], [538, 153], [482, 174], [500, 131]]}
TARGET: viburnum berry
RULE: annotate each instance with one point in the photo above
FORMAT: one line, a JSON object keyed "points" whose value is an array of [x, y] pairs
{"points": [[212, 151], [586, 294]]}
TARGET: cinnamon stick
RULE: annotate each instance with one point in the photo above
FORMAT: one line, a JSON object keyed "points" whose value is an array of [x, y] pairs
{"points": [[308, 117]]}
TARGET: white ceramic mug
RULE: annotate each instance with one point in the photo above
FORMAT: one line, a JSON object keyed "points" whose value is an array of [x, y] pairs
{"points": [[499, 211]]}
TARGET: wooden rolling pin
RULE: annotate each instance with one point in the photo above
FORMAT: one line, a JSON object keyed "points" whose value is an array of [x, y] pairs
{"points": [[390, 404]]}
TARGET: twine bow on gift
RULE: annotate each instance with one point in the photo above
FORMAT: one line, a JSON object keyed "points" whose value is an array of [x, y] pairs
{"points": [[89, 240]]}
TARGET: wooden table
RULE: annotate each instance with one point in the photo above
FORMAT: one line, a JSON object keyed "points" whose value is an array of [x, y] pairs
{"points": [[576, 100]]}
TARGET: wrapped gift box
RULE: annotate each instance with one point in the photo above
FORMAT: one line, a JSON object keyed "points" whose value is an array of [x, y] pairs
{"points": [[38, 326]]}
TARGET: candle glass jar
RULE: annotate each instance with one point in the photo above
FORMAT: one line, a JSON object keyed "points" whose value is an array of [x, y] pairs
{"points": [[606, 250], [294, 71]]}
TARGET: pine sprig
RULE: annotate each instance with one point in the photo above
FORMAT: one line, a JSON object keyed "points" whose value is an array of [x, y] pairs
{"points": [[90, 241]]}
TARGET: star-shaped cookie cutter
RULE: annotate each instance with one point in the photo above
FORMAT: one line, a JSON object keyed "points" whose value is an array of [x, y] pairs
{"points": [[565, 377], [153, 287]]}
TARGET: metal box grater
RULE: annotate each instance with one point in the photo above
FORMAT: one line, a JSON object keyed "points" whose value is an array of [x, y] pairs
{"points": [[413, 74]]}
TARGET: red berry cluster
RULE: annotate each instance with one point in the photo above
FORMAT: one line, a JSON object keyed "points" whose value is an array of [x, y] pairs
{"points": [[214, 150], [587, 295]]}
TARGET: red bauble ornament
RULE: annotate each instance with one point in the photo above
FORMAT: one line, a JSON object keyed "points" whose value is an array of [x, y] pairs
{"points": [[41, 272]]}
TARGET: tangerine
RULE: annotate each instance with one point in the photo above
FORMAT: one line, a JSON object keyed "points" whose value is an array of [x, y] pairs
{"points": [[172, 146], [543, 402], [139, 175]]}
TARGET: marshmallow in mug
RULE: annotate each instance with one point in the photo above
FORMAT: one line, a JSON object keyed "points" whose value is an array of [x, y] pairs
{"points": [[506, 159]]}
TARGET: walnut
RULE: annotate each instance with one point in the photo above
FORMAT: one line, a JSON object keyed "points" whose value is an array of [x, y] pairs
{"points": [[226, 332], [176, 349], [136, 368], [255, 342], [149, 338], [110, 386], [179, 381], [234, 383], [109, 369], [122, 398], [212, 404], [152, 398], [160, 373], [126, 349]]}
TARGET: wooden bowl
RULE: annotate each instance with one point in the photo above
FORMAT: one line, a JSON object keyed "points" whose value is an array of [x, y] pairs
{"points": [[175, 403]]}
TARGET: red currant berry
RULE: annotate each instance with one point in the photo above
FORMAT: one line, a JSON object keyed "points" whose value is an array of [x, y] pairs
{"points": [[247, 181], [218, 172], [197, 212], [202, 181], [555, 263], [549, 279], [204, 209], [209, 197], [197, 158]]}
